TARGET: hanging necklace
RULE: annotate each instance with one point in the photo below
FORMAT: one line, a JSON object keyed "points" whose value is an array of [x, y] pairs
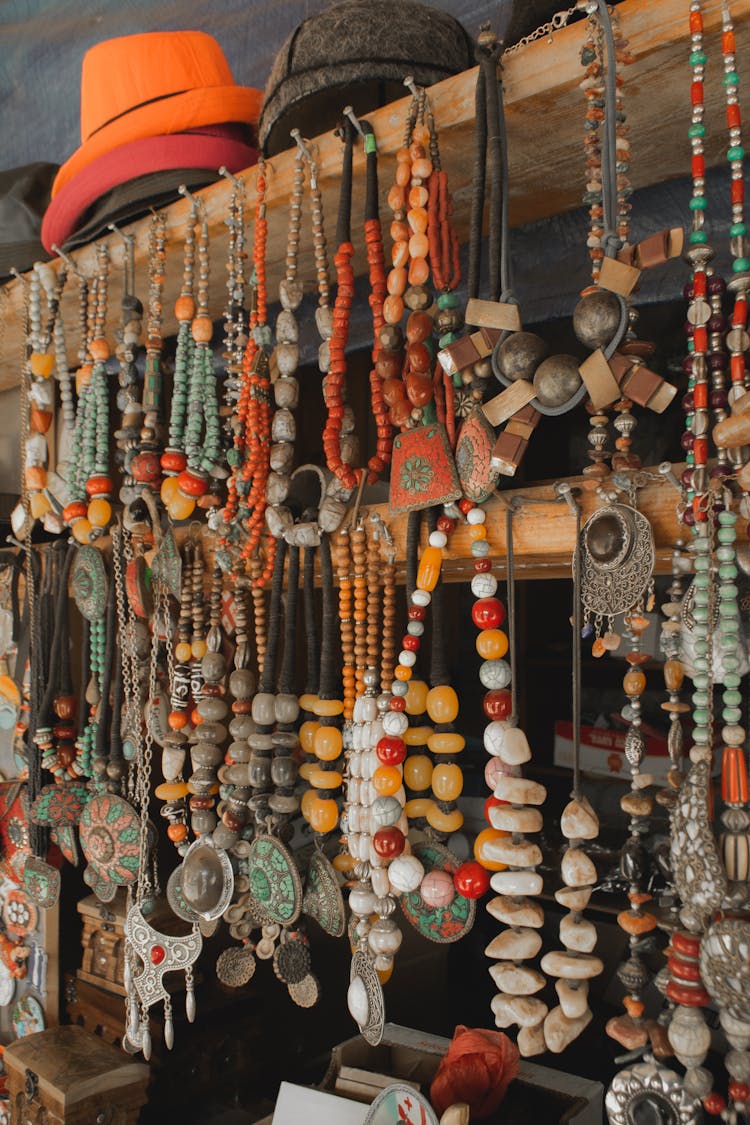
{"points": [[40, 389], [145, 461]]}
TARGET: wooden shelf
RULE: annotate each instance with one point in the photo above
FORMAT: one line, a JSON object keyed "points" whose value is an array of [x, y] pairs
{"points": [[543, 530], [544, 109]]}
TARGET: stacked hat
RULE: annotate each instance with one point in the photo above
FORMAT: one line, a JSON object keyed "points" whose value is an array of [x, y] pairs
{"points": [[157, 110], [359, 52]]}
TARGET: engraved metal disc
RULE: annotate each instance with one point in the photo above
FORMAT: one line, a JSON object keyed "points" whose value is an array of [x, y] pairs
{"points": [[616, 550], [275, 882], [236, 966], [363, 967], [441, 924], [323, 900], [89, 583], [305, 993]]}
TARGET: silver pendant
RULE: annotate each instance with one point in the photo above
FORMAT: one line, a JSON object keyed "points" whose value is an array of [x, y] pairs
{"points": [[725, 964], [616, 550], [365, 998], [158, 954], [207, 879], [652, 1089]]}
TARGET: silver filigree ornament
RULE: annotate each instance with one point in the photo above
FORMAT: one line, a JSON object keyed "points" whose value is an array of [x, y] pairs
{"points": [[158, 954], [616, 551], [698, 874], [725, 965], [365, 998], [649, 1088]]}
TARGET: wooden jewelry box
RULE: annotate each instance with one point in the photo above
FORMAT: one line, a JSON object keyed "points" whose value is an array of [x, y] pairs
{"points": [[66, 1076]]}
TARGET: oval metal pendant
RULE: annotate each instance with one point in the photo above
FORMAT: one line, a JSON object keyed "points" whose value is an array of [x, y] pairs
{"points": [[275, 882], [110, 838], [207, 879], [616, 550], [441, 924], [89, 583], [372, 1021], [323, 900]]}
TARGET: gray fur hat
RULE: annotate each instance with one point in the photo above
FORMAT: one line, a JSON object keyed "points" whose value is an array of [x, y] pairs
{"points": [[357, 52]]}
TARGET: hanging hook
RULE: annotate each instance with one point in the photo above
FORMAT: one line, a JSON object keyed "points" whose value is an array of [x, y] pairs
{"points": [[68, 261], [198, 205], [235, 180], [128, 239], [17, 274], [349, 112], [412, 86]]}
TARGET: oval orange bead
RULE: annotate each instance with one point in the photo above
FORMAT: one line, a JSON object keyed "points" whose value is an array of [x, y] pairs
{"points": [[417, 736], [403, 174], [307, 735], [417, 220], [418, 197], [418, 807], [81, 530], [674, 674], [419, 246], [393, 309], [397, 282], [396, 198], [184, 308], [169, 490], [182, 507], [328, 742], [428, 571], [202, 329], [400, 253], [447, 781], [442, 704], [492, 644], [446, 742], [387, 780], [400, 232], [422, 169], [325, 779], [418, 772], [323, 815], [307, 800], [444, 822], [182, 653], [42, 364], [634, 682], [328, 708], [419, 271], [99, 513]]}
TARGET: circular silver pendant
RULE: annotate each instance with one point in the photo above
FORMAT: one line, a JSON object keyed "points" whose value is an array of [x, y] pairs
{"points": [[365, 998], [236, 966], [305, 993], [616, 550], [647, 1092]]}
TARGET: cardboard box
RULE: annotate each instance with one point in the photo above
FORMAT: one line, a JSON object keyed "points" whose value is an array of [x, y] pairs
{"points": [[551, 1096]]}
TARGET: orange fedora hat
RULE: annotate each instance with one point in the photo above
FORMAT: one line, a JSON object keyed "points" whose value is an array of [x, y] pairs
{"points": [[147, 85]]}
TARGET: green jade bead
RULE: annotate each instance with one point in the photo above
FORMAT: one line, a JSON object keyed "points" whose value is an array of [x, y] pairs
{"points": [[731, 680], [448, 301], [700, 681], [724, 554], [702, 563], [700, 701], [700, 735], [700, 613], [727, 571], [732, 715]]}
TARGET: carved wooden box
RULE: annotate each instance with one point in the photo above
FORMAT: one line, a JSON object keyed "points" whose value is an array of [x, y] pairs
{"points": [[66, 1076], [103, 941]]}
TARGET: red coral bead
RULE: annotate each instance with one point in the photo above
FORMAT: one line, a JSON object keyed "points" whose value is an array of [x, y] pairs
{"points": [[158, 953], [714, 1103], [498, 704], [471, 880], [388, 842], [739, 1091], [488, 613], [390, 750]]}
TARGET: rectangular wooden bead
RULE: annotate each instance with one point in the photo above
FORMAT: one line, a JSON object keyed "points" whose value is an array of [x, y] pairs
{"points": [[458, 355], [503, 406], [493, 314], [508, 453], [618, 277], [600, 382]]}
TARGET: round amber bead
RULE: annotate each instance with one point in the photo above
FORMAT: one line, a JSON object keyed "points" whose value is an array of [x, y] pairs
{"points": [[674, 674], [99, 513], [447, 781], [328, 708], [418, 772], [477, 531], [446, 742], [182, 507], [429, 568], [307, 702], [328, 743], [182, 653], [444, 822], [401, 672], [485, 837], [416, 697], [442, 704], [81, 531], [169, 490], [306, 768], [198, 650], [492, 644], [386, 780], [323, 815], [307, 736], [42, 364], [177, 833]]}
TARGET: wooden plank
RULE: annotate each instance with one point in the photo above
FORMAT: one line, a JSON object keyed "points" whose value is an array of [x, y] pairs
{"points": [[545, 121]]}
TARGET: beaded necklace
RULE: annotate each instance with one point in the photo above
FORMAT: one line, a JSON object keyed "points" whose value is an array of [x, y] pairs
{"points": [[40, 394], [88, 472], [144, 463], [173, 460], [126, 343]]}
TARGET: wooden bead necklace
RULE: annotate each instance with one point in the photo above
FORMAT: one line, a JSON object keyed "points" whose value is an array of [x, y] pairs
{"points": [[144, 463], [126, 343], [173, 460]]}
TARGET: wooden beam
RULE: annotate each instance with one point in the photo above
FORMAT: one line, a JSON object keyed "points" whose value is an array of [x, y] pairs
{"points": [[545, 112]]}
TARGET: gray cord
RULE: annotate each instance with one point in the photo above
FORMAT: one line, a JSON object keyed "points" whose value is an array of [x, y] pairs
{"points": [[611, 241], [576, 671]]}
